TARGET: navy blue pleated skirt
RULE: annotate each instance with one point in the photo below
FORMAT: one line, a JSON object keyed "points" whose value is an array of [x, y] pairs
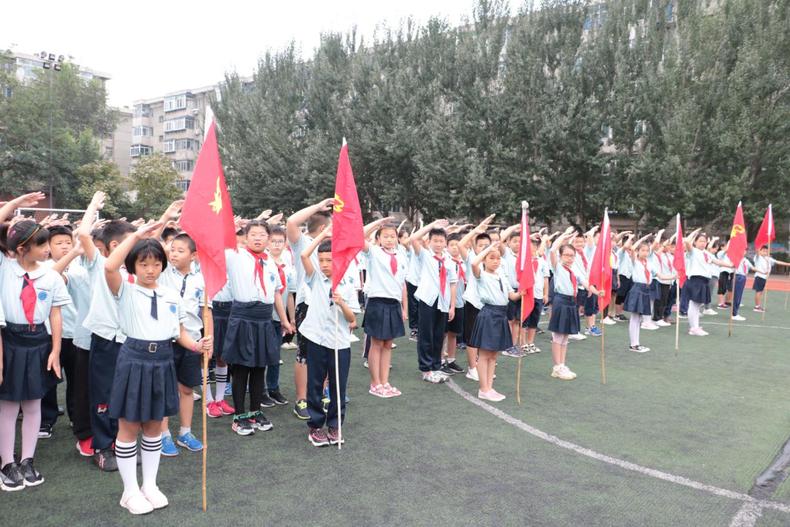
{"points": [[655, 290], [144, 387], [220, 311], [383, 319], [491, 331], [26, 350], [638, 299], [698, 289], [251, 339], [564, 315]]}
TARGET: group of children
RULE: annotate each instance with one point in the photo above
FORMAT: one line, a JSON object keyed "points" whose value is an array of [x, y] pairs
{"points": [[120, 309]]}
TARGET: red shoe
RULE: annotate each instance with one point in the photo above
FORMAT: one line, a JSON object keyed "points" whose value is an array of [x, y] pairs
{"points": [[212, 409], [225, 408], [84, 447]]}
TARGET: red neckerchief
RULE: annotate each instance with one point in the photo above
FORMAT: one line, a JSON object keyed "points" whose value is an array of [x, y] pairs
{"points": [[442, 274], [28, 298], [647, 271], [584, 258], [259, 258], [461, 272], [280, 271], [573, 277], [393, 262]]}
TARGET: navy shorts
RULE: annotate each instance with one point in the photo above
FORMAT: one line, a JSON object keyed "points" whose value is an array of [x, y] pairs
{"points": [[587, 301], [759, 284], [187, 365], [534, 317]]}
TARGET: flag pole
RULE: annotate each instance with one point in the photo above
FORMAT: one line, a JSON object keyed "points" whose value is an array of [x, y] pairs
{"points": [[521, 349], [767, 275], [337, 386], [603, 350], [677, 316], [205, 389], [732, 307]]}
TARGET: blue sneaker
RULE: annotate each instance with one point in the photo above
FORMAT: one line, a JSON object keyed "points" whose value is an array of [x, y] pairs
{"points": [[593, 331], [190, 442], [228, 390], [168, 447]]}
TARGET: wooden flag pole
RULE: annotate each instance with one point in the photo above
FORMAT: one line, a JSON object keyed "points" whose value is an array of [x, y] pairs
{"points": [[521, 351], [205, 390], [732, 307], [767, 275], [339, 403], [677, 317], [603, 350]]}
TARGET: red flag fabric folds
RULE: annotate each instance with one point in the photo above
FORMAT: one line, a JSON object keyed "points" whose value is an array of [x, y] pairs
{"points": [[679, 258], [601, 268], [524, 271], [207, 215], [348, 236], [767, 233], [737, 247]]}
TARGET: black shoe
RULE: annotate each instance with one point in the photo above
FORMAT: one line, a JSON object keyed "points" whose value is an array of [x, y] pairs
{"points": [[455, 367], [621, 318], [61, 410], [105, 460], [259, 422], [31, 476], [300, 410], [11, 478], [413, 335], [266, 401], [447, 369], [45, 431], [242, 425], [277, 397]]}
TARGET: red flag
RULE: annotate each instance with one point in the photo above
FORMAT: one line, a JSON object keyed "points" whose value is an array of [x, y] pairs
{"points": [[737, 247], [524, 271], [348, 236], [601, 268], [207, 215], [679, 258], [767, 233]]}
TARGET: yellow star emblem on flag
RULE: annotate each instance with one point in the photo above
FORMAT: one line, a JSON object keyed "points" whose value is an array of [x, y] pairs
{"points": [[736, 230], [216, 204], [339, 204]]}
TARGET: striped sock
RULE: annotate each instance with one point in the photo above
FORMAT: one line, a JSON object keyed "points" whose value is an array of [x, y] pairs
{"points": [[221, 378], [151, 448], [126, 457]]}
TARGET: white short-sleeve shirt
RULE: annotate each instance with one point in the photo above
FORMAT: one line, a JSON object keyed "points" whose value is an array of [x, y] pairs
{"points": [[298, 248], [244, 283], [428, 288], [319, 325], [79, 287], [470, 293], [102, 318], [190, 289], [493, 288], [763, 266], [50, 291], [134, 308], [381, 282]]}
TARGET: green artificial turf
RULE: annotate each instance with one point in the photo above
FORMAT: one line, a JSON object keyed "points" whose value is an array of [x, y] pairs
{"points": [[716, 413]]}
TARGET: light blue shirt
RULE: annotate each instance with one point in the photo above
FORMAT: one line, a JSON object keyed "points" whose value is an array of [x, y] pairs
{"points": [[224, 295], [509, 264], [540, 274], [493, 288], [193, 286], [79, 287], [381, 283], [244, 283], [638, 275], [562, 279], [50, 291], [290, 278], [428, 289], [580, 269], [134, 308], [626, 267], [102, 318], [470, 293], [298, 248], [325, 324], [460, 285], [413, 270], [762, 266], [698, 263]]}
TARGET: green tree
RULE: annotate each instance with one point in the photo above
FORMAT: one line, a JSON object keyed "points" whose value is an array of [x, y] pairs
{"points": [[105, 176], [153, 184]]}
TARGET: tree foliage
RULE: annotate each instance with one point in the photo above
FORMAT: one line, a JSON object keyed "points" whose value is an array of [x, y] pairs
{"points": [[153, 185]]}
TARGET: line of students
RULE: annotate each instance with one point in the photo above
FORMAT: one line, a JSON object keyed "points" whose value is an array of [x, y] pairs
{"points": [[120, 308]]}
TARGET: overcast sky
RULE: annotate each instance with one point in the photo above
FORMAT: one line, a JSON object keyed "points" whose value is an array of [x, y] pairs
{"points": [[150, 48]]}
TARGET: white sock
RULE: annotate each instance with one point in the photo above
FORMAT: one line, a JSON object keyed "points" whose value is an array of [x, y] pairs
{"points": [[184, 430], [151, 449], [450, 360], [208, 395], [221, 378], [633, 328], [693, 315], [166, 433], [126, 457]]}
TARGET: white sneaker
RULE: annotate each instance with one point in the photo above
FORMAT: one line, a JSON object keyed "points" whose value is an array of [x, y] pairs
{"points": [[290, 345], [353, 338], [441, 375], [697, 332], [196, 396], [155, 497], [739, 318], [663, 323], [638, 349], [491, 395], [710, 311], [577, 336], [651, 326], [560, 371], [471, 374], [609, 321], [136, 503]]}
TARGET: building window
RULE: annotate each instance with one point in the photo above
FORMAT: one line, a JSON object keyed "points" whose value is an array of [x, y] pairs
{"points": [[143, 131], [140, 150], [182, 184], [177, 102], [142, 110], [181, 123], [184, 165], [169, 146]]}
